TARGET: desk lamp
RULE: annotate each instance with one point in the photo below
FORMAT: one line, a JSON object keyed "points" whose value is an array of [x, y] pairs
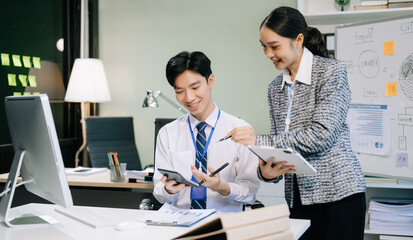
{"points": [[87, 83], [152, 102]]}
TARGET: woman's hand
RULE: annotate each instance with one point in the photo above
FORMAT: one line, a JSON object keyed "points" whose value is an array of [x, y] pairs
{"points": [[214, 183], [269, 172], [244, 135], [171, 186]]}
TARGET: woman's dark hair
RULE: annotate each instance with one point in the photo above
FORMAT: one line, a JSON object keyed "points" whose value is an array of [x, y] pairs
{"points": [[289, 22], [197, 62]]}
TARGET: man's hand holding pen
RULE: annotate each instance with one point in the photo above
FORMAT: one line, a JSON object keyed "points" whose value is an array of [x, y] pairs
{"points": [[212, 182]]}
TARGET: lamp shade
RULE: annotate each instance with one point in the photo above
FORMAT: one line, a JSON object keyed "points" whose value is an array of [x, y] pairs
{"points": [[87, 82]]}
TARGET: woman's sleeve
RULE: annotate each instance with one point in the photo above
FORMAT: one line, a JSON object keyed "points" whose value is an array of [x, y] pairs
{"points": [[332, 104]]}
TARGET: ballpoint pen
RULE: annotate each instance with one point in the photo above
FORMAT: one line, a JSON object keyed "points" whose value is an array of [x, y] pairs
{"points": [[224, 138], [215, 172]]}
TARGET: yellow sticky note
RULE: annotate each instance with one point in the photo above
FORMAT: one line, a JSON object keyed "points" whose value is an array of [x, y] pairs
{"points": [[36, 93], [27, 93], [12, 79], [32, 81], [16, 60], [17, 94], [36, 62], [391, 89], [5, 61], [23, 80], [388, 48], [26, 62]]}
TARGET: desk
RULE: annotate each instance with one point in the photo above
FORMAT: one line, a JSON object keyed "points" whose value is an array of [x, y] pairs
{"points": [[95, 180], [92, 190], [71, 229]]}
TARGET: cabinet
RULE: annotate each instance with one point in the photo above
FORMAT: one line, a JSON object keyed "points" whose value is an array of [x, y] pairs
{"points": [[326, 14], [400, 191]]}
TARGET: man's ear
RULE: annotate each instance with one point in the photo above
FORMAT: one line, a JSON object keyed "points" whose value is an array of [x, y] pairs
{"points": [[211, 81]]}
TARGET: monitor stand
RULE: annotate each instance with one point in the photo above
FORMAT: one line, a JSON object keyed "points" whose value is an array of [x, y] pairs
{"points": [[7, 199]]}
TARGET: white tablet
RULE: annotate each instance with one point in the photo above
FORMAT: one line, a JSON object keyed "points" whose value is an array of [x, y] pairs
{"points": [[292, 157]]}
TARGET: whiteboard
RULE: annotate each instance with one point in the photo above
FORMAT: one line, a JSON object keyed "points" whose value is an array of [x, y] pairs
{"points": [[379, 59]]}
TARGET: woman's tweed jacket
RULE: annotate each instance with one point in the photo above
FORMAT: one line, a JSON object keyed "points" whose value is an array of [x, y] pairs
{"points": [[319, 132]]}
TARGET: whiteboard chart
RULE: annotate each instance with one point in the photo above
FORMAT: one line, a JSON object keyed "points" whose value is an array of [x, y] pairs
{"points": [[379, 59]]}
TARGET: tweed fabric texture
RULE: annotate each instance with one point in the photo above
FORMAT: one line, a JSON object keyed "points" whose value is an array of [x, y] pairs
{"points": [[319, 132]]}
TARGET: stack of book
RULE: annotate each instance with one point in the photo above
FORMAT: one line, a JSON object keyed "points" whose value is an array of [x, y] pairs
{"points": [[372, 4], [262, 223], [400, 3], [391, 215]]}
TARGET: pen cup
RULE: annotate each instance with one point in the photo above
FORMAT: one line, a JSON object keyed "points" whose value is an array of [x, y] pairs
{"points": [[117, 172]]}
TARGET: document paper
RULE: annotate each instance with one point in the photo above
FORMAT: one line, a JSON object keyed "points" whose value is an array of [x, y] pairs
{"points": [[370, 128], [173, 216]]}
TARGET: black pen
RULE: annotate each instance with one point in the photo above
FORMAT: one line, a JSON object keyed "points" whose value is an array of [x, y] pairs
{"points": [[215, 172], [224, 138]]}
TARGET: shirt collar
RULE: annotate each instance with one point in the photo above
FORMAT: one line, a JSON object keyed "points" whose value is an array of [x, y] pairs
{"points": [[211, 119], [304, 70]]}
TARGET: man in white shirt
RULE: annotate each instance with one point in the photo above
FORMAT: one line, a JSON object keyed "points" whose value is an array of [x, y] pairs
{"points": [[191, 76]]}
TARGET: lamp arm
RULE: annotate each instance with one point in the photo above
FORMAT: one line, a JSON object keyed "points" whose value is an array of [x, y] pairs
{"points": [[172, 103]]}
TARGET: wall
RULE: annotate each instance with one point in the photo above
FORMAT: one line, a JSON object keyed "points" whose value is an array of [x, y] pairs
{"points": [[137, 38]]}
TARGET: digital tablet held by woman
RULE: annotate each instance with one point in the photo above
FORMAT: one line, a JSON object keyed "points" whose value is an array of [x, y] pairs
{"points": [[292, 157]]}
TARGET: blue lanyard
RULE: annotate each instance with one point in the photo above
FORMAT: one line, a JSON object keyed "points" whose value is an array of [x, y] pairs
{"points": [[290, 104], [209, 138]]}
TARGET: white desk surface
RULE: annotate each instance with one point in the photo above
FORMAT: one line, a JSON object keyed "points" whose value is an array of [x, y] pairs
{"points": [[72, 229]]}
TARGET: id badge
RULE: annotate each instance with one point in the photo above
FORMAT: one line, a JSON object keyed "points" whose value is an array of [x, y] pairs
{"points": [[198, 193]]}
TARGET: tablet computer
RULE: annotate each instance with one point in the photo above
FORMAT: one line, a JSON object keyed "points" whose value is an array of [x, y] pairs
{"points": [[292, 157], [172, 175]]}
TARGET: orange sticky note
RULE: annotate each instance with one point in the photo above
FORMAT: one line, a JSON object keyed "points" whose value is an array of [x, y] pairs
{"points": [[391, 89], [388, 48]]}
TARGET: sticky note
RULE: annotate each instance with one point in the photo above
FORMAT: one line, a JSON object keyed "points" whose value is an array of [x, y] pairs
{"points": [[5, 61], [26, 62], [36, 62], [391, 89], [17, 94], [36, 93], [16, 60], [12, 79], [388, 48], [27, 93], [32, 81], [23, 80]]}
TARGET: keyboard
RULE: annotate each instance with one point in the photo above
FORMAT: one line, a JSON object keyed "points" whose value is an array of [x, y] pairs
{"points": [[87, 217]]}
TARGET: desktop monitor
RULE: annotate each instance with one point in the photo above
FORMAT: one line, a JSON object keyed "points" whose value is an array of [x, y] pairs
{"points": [[37, 158]]}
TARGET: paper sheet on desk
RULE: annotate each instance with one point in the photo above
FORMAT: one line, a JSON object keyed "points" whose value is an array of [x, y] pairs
{"points": [[169, 215], [82, 171]]}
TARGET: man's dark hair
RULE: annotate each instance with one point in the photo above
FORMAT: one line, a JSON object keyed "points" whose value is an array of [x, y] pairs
{"points": [[197, 62]]}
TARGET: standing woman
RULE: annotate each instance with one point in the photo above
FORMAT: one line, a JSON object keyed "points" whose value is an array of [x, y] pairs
{"points": [[308, 104]]}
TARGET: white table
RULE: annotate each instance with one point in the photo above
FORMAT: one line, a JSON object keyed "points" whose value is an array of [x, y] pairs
{"points": [[93, 190], [72, 229]]}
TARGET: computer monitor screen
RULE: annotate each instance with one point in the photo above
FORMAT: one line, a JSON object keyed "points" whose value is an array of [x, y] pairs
{"points": [[37, 153]]}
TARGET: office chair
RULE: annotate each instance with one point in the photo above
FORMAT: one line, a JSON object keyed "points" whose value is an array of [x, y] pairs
{"points": [[112, 134], [159, 123], [153, 204]]}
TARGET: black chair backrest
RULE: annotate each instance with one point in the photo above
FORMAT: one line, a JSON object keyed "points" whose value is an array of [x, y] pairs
{"points": [[159, 123], [112, 134]]}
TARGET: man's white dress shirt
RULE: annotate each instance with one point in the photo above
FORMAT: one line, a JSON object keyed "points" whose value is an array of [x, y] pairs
{"points": [[175, 151]]}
